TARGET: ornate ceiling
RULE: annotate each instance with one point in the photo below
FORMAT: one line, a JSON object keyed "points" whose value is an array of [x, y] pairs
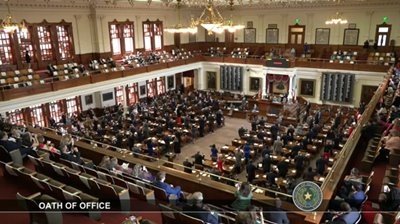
{"points": [[198, 3]]}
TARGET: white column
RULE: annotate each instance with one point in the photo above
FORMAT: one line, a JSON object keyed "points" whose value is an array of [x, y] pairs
{"points": [[125, 104], [291, 87], [101, 33], [77, 17], [202, 79], [264, 84]]}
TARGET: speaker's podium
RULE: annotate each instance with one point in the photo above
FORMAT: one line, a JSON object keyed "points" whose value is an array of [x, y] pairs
{"points": [[266, 106]]}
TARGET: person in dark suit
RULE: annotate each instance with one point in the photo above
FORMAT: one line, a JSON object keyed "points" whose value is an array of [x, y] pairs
{"points": [[274, 131], [283, 167], [278, 215], [251, 171], [271, 178], [266, 163], [11, 145], [309, 175], [177, 146], [188, 165], [299, 162], [201, 126], [241, 131], [321, 165], [159, 182], [28, 58], [198, 210], [150, 148], [198, 158]]}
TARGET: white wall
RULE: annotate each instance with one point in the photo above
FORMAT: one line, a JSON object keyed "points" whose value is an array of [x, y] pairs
{"points": [[94, 104], [90, 26], [107, 103]]}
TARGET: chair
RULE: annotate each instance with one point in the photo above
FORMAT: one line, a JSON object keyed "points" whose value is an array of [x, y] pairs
{"points": [[359, 219], [167, 214], [29, 203], [185, 219], [160, 194], [115, 193], [14, 156]]}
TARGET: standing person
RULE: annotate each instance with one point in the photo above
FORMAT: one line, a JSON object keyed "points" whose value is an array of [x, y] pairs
{"points": [[321, 164], [28, 58], [214, 153], [266, 164], [188, 165], [251, 171], [220, 164], [177, 146], [243, 197], [238, 160], [198, 158], [246, 150], [194, 131], [277, 146], [306, 48]]}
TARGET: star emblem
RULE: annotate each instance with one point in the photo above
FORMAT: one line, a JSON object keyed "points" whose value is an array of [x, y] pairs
{"points": [[307, 196]]}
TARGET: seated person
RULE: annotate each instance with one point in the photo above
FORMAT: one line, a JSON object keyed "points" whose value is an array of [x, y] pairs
{"points": [[356, 198], [72, 155], [115, 167], [200, 211], [348, 215], [278, 216], [45, 146], [353, 178], [243, 197], [141, 172], [105, 163], [11, 145], [390, 199], [169, 190]]}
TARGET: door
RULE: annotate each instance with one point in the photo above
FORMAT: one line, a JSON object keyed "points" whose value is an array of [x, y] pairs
{"points": [[296, 34]]}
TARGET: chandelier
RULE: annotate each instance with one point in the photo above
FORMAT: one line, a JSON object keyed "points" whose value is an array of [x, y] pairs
{"points": [[8, 25], [179, 28], [212, 20], [336, 20]]}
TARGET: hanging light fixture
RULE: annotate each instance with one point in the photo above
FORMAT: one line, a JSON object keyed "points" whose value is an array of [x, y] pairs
{"points": [[8, 25], [179, 28], [337, 19], [212, 20], [229, 23]]}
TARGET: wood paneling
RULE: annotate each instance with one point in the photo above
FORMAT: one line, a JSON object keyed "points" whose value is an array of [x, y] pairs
{"points": [[135, 71], [70, 83], [26, 91]]}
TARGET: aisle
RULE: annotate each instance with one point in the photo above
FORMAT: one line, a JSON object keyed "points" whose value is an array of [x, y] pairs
{"points": [[220, 137]]}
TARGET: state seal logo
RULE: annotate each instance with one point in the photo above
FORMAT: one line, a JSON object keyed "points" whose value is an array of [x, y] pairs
{"points": [[307, 196]]}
